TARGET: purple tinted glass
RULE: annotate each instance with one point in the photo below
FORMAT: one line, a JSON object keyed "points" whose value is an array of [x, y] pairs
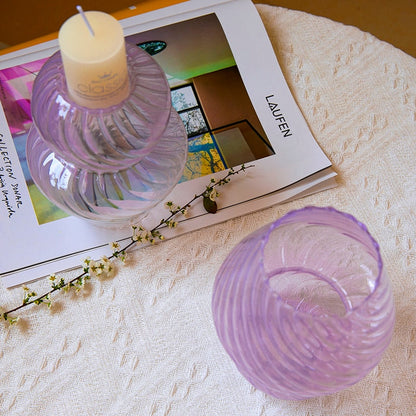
{"points": [[109, 164], [303, 306]]}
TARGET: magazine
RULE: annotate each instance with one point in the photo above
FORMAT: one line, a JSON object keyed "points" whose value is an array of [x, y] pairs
{"points": [[227, 87]]}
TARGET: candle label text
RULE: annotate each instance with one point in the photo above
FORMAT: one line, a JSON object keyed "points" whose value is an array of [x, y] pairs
{"points": [[105, 86]]}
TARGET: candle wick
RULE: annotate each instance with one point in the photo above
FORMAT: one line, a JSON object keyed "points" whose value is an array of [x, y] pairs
{"points": [[79, 8]]}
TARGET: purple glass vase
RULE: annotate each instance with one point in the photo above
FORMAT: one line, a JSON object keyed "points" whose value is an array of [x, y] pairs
{"points": [[304, 306], [110, 164]]}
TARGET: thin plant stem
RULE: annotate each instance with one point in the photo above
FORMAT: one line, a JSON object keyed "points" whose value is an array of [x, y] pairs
{"points": [[164, 222]]}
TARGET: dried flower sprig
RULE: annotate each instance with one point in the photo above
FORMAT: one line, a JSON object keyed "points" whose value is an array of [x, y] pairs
{"points": [[105, 266]]}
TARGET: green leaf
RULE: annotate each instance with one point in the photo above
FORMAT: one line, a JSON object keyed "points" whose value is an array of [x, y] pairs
{"points": [[209, 205]]}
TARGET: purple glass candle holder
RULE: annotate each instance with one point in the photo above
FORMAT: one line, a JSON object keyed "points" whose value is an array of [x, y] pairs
{"points": [[110, 164], [304, 306]]}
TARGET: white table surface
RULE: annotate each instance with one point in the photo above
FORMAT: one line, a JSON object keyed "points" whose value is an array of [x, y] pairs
{"points": [[144, 343]]}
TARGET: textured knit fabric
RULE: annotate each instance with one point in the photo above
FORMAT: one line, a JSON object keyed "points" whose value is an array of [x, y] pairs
{"points": [[144, 343]]}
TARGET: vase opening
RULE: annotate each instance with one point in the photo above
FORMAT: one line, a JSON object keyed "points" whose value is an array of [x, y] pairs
{"points": [[308, 291], [323, 267]]}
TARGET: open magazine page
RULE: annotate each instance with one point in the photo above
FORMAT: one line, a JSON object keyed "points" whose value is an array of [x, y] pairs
{"points": [[228, 89]]}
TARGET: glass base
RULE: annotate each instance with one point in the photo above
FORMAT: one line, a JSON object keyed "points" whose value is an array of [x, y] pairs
{"points": [[112, 196]]}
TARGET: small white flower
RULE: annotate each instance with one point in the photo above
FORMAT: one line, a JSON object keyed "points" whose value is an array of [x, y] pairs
{"points": [[172, 224], [92, 268], [13, 321], [86, 263], [122, 257], [213, 194], [106, 264], [115, 246], [169, 205]]}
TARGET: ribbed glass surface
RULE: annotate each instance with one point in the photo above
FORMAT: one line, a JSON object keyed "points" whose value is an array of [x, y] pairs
{"points": [[106, 164], [303, 306], [103, 139], [110, 196]]}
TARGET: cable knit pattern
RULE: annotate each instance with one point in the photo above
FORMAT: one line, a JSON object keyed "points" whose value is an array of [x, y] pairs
{"points": [[143, 342]]}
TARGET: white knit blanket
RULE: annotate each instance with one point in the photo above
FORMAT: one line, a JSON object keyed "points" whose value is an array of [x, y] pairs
{"points": [[144, 343]]}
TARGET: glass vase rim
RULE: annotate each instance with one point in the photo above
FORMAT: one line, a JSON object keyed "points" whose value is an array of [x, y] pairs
{"points": [[310, 208]]}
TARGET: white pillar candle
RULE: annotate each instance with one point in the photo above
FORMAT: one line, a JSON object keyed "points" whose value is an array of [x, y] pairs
{"points": [[95, 64]]}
